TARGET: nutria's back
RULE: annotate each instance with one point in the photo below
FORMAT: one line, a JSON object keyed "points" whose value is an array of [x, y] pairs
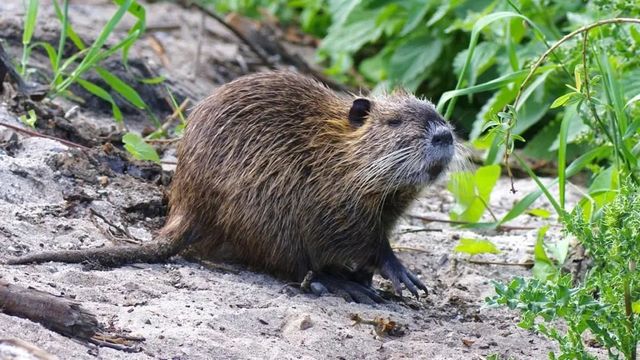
{"points": [[274, 170]]}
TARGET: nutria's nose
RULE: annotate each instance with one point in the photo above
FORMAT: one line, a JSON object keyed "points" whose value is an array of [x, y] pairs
{"points": [[442, 137]]}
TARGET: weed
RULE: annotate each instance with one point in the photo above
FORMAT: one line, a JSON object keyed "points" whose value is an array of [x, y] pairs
{"points": [[29, 119], [73, 69], [601, 309]]}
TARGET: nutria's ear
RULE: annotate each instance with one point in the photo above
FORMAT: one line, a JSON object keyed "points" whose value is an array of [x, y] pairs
{"points": [[359, 111]]}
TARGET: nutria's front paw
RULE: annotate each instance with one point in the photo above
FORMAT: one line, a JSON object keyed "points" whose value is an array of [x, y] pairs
{"points": [[351, 291], [393, 270]]}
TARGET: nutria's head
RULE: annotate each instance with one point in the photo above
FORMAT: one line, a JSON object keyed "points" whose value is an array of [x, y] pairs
{"points": [[399, 140]]}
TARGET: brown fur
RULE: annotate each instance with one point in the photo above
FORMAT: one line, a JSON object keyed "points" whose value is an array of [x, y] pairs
{"points": [[272, 174]]}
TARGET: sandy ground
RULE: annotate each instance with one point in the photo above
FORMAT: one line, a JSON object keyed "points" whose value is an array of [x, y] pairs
{"points": [[55, 197]]}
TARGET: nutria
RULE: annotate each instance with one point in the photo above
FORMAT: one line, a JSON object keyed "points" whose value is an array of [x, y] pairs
{"points": [[280, 173]]}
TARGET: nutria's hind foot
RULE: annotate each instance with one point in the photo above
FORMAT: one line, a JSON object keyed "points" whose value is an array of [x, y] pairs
{"points": [[349, 290], [393, 270]]}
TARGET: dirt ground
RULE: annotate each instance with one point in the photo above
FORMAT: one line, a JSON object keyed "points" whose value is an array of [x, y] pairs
{"points": [[56, 197]]}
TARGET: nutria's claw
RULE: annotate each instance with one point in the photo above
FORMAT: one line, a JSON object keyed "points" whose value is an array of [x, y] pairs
{"points": [[394, 271], [351, 291]]}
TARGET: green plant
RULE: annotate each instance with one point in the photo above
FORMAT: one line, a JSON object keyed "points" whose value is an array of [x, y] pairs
{"points": [[604, 306], [137, 147], [70, 70], [29, 119], [476, 246], [73, 69], [30, 18], [597, 113], [472, 192]]}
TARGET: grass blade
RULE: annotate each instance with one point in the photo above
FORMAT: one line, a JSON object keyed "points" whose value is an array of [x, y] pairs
{"points": [[122, 88], [575, 166], [562, 157], [139, 27], [137, 147], [561, 213], [51, 52], [29, 27], [73, 36], [475, 34], [90, 59], [64, 20], [489, 85], [30, 21], [104, 95]]}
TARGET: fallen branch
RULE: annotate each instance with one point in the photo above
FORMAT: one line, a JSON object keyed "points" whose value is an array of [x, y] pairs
{"points": [[56, 313], [123, 230], [412, 231], [457, 222], [61, 315], [37, 134], [409, 248], [526, 264]]}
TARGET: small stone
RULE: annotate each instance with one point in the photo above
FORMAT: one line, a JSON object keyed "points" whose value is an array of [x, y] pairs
{"points": [[306, 322], [103, 180]]}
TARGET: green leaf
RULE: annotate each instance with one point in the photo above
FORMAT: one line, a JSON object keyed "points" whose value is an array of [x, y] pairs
{"points": [[562, 100], [440, 12], [62, 16], [475, 34], [635, 306], [122, 88], [576, 166], [541, 213], [560, 250], [51, 52], [472, 192], [562, 157], [94, 53], [358, 29], [415, 16], [476, 246], [140, 150], [545, 190], [104, 95], [153, 80], [484, 57], [138, 28], [496, 83], [29, 120], [635, 34], [30, 21], [486, 178], [412, 58], [632, 100], [543, 268]]}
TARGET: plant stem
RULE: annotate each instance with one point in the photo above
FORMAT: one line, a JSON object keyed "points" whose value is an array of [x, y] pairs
{"points": [[546, 54], [629, 312], [564, 39]]}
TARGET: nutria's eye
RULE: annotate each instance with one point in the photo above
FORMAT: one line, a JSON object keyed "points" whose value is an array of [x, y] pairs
{"points": [[394, 122], [359, 112]]}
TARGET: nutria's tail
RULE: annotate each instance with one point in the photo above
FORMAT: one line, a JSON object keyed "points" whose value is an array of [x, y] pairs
{"points": [[157, 251]]}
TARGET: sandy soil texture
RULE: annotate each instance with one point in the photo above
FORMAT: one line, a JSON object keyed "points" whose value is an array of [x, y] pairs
{"points": [[56, 197]]}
